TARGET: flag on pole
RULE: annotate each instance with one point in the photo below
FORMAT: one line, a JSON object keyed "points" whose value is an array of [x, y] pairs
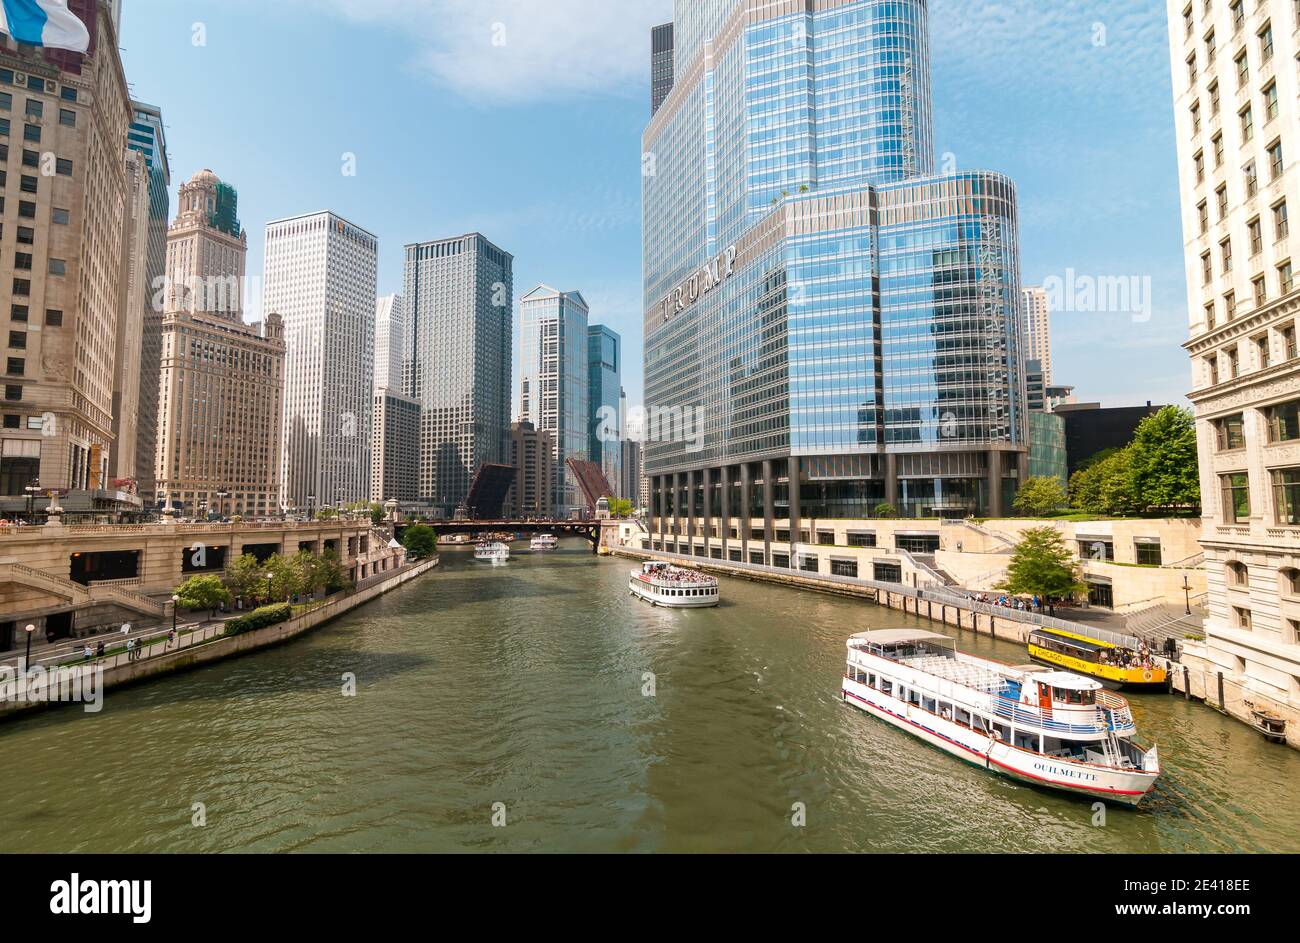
{"points": [[47, 23]]}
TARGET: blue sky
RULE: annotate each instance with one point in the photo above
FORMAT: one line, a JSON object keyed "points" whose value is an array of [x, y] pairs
{"points": [[521, 119]]}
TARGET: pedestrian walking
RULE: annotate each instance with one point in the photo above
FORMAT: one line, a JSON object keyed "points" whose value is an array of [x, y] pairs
{"points": [[130, 649], [99, 649], [86, 653]]}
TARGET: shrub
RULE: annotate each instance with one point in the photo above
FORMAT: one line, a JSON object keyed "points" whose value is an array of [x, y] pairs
{"points": [[260, 618]]}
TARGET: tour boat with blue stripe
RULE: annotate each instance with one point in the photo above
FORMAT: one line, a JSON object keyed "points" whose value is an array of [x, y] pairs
{"points": [[1038, 725], [673, 587]]}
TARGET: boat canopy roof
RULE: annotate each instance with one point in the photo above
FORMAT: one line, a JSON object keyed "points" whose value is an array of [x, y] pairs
{"points": [[1067, 681], [898, 637]]}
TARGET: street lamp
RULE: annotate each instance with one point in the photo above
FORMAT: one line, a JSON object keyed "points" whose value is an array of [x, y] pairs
{"points": [[1187, 592], [221, 503], [269, 576], [27, 659], [175, 601]]}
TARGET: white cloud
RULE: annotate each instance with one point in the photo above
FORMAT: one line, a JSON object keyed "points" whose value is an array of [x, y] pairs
{"points": [[520, 51]]}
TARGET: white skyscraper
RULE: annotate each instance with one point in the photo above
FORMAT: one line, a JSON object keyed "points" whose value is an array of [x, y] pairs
{"points": [[388, 343], [1038, 330], [321, 274]]}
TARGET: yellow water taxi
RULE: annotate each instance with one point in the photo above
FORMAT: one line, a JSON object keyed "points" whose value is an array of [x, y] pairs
{"points": [[1089, 656]]}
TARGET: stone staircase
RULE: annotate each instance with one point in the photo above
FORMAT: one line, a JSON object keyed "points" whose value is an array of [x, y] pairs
{"points": [[79, 595], [1158, 623]]}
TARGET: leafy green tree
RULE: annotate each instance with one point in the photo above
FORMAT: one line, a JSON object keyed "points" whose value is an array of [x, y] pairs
{"points": [[330, 569], [245, 576], [202, 592], [1164, 461], [1105, 484], [420, 541], [282, 577], [1042, 565], [885, 509], [1039, 497], [620, 507], [310, 572], [326, 514]]}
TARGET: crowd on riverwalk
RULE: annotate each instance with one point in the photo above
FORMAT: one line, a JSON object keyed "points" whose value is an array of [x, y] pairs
{"points": [[1020, 604]]}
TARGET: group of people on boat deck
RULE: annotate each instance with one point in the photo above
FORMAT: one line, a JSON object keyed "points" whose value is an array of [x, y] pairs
{"points": [[1127, 658], [681, 576]]}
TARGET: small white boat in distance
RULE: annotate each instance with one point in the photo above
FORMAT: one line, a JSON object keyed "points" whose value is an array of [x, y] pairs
{"points": [[495, 552], [1042, 726], [673, 587], [544, 542]]}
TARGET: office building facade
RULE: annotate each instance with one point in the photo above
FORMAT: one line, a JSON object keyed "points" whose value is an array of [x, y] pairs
{"points": [[532, 453], [661, 65], [1038, 330], [133, 295], [820, 309], [553, 381], [1237, 121], [605, 400], [388, 343], [146, 135], [395, 453], [220, 381], [458, 338], [65, 117], [321, 274]]}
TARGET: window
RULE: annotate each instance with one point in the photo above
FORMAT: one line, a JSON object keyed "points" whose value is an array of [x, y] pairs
{"points": [[18, 340], [1238, 10], [63, 167], [1243, 70], [23, 260], [1207, 269], [15, 366], [1097, 548], [11, 421], [26, 236], [58, 267], [1275, 164], [1281, 221], [1252, 179], [1191, 69], [1289, 582], [1203, 217], [1198, 162], [31, 159], [1270, 101], [22, 286], [844, 567], [1231, 431], [1288, 343], [1256, 233], [13, 394], [1230, 305], [1187, 20], [1266, 42], [35, 108], [67, 118], [1147, 552], [1285, 278], [1286, 498], [1212, 370], [1214, 98], [4, 127], [1217, 143], [1262, 350], [29, 184], [1196, 118], [6, 102], [68, 94], [53, 318], [1209, 316], [1236, 497], [1247, 124], [1284, 422], [1241, 618], [1210, 46], [32, 133], [1225, 248], [1261, 290], [26, 209], [1222, 194], [59, 217], [18, 312], [861, 539]]}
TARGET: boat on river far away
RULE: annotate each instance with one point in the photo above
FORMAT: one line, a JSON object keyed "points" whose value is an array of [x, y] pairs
{"points": [[673, 587], [544, 542], [1042, 726], [495, 552]]}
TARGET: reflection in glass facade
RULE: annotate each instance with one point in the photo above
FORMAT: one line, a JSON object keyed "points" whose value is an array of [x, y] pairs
{"points": [[604, 395], [839, 315], [553, 384]]}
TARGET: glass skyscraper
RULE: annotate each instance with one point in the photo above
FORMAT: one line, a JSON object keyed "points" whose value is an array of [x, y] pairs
{"points": [[604, 399], [553, 385], [826, 309]]}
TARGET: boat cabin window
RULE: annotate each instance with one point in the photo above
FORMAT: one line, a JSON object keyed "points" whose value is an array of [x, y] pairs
{"points": [[1068, 696]]}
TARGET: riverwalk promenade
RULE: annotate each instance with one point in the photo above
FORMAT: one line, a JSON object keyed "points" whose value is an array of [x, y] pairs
{"points": [[154, 654]]}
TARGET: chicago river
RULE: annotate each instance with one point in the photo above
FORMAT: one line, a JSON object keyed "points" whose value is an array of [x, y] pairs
{"points": [[536, 707]]}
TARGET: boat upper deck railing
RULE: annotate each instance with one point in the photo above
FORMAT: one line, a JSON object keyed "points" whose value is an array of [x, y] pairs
{"points": [[1111, 712]]}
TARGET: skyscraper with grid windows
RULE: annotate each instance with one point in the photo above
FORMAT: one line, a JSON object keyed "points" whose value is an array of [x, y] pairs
{"points": [[832, 329]]}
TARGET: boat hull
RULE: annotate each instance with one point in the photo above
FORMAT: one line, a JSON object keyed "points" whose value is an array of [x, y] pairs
{"points": [[1129, 679], [641, 591], [1124, 787]]}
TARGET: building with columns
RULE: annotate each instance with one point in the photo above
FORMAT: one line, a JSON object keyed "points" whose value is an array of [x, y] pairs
{"points": [[1237, 120], [221, 381], [831, 329]]}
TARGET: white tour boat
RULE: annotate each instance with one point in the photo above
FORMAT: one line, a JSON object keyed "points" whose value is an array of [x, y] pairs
{"points": [[544, 542], [495, 552], [1046, 727], [673, 587]]}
